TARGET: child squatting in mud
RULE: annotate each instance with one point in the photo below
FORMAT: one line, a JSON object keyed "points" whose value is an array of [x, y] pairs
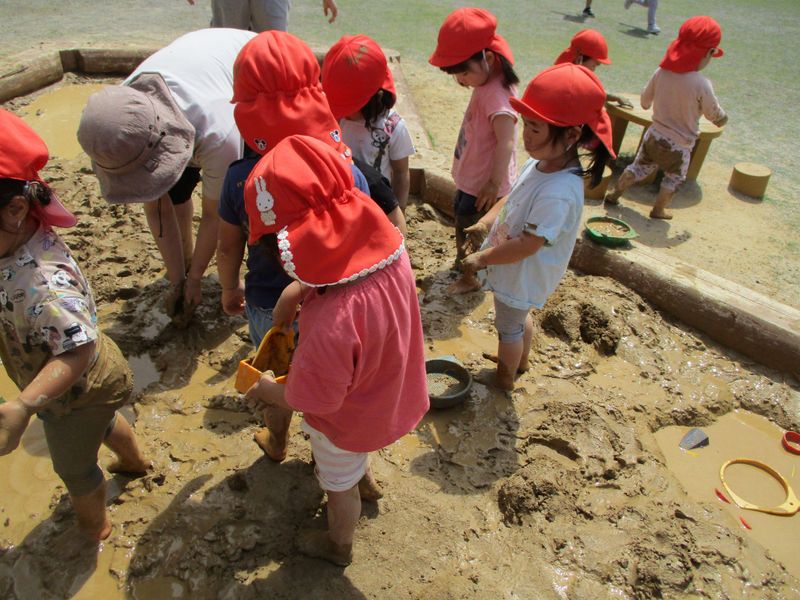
{"points": [[358, 373], [69, 373]]}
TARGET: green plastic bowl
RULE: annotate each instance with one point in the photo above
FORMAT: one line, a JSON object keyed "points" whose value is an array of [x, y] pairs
{"points": [[609, 240]]}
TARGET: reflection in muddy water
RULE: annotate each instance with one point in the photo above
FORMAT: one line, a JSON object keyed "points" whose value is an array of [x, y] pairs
{"points": [[144, 372], [742, 434], [55, 116]]}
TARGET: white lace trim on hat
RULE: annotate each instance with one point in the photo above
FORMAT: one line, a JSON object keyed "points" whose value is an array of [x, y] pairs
{"points": [[287, 258]]}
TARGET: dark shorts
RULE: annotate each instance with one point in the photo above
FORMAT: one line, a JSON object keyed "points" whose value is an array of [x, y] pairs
{"points": [[464, 204], [181, 192]]}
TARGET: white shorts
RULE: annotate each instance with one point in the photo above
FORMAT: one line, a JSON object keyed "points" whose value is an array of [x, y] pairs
{"points": [[337, 470]]}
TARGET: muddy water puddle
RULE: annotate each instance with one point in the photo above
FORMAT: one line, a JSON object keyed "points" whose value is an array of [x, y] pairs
{"points": [[741, 434], [55, 116]]}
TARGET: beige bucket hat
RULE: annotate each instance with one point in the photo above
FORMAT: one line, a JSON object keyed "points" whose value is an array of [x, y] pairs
{"points": [[138, 138]]}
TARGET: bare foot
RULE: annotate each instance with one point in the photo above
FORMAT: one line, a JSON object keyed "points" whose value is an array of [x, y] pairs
{"points": [[524, 365], [317, 544], [266, 441], [660, 213], [132, 470], [369, 489], [465, 284], [96, 532]]}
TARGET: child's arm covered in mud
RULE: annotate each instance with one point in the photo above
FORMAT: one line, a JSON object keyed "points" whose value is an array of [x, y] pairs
{"points": [[57, 376]]}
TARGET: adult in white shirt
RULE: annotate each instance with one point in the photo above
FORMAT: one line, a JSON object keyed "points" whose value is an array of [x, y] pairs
{"points": [[151, 139]]}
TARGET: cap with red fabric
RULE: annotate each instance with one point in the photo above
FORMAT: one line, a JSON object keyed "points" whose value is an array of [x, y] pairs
{"points": [[587, 42], [566, 95], [467, 31], [353, 71], [695, 38], [328, 231], [277, 93], [22, 154]]}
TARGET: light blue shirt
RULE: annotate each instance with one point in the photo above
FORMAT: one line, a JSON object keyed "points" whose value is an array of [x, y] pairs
{"points": [[547, 205]]}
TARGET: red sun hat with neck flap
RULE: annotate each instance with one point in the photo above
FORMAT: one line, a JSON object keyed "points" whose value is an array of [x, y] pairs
{"points": [[328, 231], [277, 93], [588, 42], [566, 95], [22, 154], [467, 31], [695, 38], [355, 68]]}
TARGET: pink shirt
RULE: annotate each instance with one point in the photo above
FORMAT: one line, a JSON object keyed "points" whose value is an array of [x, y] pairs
{"points": [[472, 159], [678, 100], [358, 372]]}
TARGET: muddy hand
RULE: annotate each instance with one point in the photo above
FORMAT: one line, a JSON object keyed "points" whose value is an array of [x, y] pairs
{"points": [[13, 422], [475, 236], [255, 397], [173, 300]]}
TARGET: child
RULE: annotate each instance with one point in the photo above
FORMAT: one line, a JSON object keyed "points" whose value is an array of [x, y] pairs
{"points": [[358, 373], [277, 93], [360, 90], [652, 7], [69, 373], [533, 230], [588, 48], [484, 163], [679, 94]]}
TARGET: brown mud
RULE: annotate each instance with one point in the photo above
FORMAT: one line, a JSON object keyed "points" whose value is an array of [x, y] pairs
{"points": [[558, 490]]}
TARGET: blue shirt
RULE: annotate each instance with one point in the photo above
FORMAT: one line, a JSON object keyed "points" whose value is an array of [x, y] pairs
{"points": [[264, 281]]}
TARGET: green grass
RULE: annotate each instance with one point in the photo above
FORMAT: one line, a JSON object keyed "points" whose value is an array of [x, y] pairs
{"points": [[756, 80]]}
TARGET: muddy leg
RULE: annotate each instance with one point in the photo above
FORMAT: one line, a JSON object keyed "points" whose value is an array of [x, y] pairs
{"points": [[626, 180], [184, 214], [509, 355], [91, 512], [336, 544], [274, 438], [368, 488], [122, 442], [662, 202], [467, 282], [527, 339]]}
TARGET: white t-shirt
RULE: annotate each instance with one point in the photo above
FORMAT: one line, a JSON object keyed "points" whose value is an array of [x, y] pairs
{"points": [[198, 70], [388, 139], [548, 205]]}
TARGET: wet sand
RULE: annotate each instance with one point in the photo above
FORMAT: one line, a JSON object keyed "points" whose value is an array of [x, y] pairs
{"points": [[564, 489]]}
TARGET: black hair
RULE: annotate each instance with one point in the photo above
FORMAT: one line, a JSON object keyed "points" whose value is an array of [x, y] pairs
{"points": [[509, 75], [380, 102], [268, 246], [31, 190], [599, 153]]}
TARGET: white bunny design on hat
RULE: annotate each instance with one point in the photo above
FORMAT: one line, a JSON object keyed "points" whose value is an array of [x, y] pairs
{"points": [[264, 202]]}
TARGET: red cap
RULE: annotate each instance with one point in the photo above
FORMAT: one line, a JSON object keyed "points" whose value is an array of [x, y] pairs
{"points": [[277, 93], [695, 38], [467, 31], [354, 69], [567, 95], [22, 154], [329, 232], [588, 42]]}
